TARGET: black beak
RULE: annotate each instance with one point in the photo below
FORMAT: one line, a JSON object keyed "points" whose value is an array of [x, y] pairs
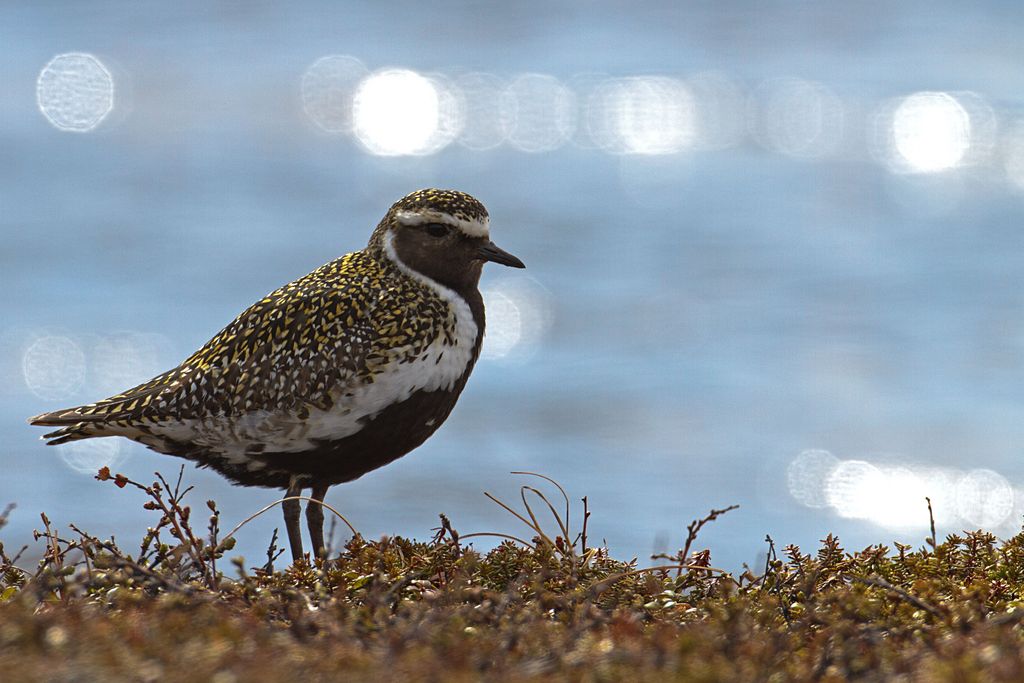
{"points": [[489, 252]]}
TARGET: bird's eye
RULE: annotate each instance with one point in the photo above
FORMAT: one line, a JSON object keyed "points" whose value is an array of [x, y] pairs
{"points": [[436, 229]]}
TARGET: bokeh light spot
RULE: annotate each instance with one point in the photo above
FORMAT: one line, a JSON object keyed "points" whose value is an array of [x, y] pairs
{"points": [[898, 499], [75, 92], [720, 107], [984, 498], [647, 115], [931, 131], [893, 496], [890, 496], [328, 88], [542, 111], [807, 476], [486, 122], [89, 455], [519, 313], [798, 118], [851, 488], [505, 325], [53, 367], [399, 112]]}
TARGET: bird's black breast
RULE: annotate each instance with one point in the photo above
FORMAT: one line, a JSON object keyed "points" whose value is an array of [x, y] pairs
{"points": [[395, 431], [392, 433]]}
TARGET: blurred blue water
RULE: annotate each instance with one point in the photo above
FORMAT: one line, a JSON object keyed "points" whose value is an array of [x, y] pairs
{"points": [[713, 313]]}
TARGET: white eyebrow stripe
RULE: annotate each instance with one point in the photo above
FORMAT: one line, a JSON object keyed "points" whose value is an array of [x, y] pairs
{"points": [[472, 228]]}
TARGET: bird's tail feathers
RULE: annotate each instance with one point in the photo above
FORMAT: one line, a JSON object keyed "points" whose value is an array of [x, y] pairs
{"points": [[66, 434], [75, 424], [64, 416]]}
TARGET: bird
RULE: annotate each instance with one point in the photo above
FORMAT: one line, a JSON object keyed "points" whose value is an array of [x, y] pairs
{"points": [[335, 374]]}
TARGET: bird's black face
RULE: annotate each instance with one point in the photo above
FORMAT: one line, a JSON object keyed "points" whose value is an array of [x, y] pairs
{"points": [[442, 234], [442, 251]]}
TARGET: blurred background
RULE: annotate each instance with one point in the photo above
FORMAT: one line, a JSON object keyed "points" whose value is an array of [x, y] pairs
{"points": [[774, 250]]}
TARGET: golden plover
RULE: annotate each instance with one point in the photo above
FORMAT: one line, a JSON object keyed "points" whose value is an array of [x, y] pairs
{"points": [[332, 375]]}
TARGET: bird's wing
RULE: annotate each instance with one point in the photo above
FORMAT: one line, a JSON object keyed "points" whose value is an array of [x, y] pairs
{"points": [[291, 348]]}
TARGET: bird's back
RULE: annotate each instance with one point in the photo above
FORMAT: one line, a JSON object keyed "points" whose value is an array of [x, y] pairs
{"points": [[302, 369]]}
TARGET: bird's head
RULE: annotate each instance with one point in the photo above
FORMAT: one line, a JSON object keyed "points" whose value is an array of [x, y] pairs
{"points": [[441, 234]]}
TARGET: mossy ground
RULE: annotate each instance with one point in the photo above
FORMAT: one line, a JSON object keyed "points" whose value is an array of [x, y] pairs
{"points": [[545, 607]]}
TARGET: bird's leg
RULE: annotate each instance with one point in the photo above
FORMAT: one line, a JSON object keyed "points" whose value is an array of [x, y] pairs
{"points": [[315, 519], [292, 512]]}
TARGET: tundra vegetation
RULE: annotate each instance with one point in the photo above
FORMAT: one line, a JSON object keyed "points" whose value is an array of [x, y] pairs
{"points": [[544, 604]]}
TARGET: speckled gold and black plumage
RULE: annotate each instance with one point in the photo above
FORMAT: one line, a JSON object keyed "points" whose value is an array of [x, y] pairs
{"points": [[283, 353], [332, 375]]}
